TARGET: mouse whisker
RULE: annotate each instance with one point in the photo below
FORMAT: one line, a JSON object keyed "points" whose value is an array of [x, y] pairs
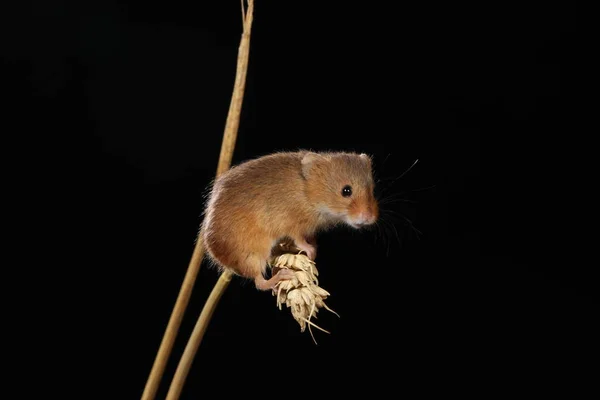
{"points": [[386, 179], [383, 197], [386, 157], [405, 172], [395, 199], [405, 218], [417, 190], [394, 179], [384, 238], [397, 236], [390, 231]]}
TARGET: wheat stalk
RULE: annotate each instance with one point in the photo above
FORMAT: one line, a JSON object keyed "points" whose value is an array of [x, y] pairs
{"points": [[227, 147], [225, 157]]}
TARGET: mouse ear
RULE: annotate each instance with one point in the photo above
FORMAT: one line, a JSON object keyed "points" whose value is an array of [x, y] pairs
{"points": [[366, 157], [308, 161]]}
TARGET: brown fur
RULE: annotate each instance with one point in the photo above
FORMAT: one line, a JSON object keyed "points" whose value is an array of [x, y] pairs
{"points": [[294, 194]]}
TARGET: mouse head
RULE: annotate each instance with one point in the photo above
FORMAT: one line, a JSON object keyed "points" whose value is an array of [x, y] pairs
{"points": [[340, 185]]}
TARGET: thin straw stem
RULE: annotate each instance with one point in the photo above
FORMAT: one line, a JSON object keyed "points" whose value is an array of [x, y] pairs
{"points": [[168, 339], [225, 157], [194, 342]]}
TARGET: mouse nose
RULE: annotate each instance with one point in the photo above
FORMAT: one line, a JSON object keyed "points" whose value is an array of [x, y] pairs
{"points": [[366, 217]]}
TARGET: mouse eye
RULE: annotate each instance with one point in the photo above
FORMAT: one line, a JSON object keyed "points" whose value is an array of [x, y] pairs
{"points": [[347, 191]]}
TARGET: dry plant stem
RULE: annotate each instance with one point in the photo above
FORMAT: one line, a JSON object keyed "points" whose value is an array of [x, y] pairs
{"points": [[181, 303], [225, 157], [227, 147], [235, 107], [192, 346]]}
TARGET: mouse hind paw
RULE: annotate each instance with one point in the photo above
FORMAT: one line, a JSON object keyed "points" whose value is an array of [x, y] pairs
{"points": [[268, 284]]}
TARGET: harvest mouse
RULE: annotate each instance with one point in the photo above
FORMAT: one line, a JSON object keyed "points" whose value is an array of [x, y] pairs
{"points": [[286, 194]]}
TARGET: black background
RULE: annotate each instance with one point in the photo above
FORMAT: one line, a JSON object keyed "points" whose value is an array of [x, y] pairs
{"points": [[115, 114]]}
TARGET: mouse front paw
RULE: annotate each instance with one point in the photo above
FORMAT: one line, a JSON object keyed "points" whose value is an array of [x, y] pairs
{"points": [[309, 249]]}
